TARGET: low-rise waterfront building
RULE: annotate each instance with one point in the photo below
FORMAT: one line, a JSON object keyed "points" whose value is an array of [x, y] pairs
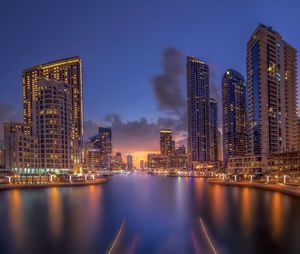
{"points": [[284, 162], [249, 164], [21, 149], [258, 164], [91, 158]]}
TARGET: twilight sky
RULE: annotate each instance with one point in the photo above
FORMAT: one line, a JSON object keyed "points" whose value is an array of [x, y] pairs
{"points": [[133, 54]]}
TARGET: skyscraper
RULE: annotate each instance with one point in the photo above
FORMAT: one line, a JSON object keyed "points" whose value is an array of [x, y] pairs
{"points": [[181, 150], [234, 114], [52, 124], [91, 157], [103, 141], [272, 91], [166, 143], [220, 146], [213, 128], [69, 71], [129, 162], [198, 109], [46, 145]]}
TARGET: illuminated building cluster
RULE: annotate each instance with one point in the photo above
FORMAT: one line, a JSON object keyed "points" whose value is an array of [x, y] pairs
{"points": [[169, 157], [102, 142], [202, 114], [68, 71], [234, 114], [50, 139], [272, 132]]}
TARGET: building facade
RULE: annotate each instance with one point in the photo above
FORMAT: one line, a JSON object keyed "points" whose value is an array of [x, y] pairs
{"points": [[52, 124], [220, 146], [68, 71], [234, 114], [213, 130], [91, 157], [103, 141], [166, 142], [198, 109], [21, 154], [272, 91], [129, 162]]}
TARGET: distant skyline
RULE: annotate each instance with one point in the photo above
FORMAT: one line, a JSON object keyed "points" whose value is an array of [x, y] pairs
{"points": [[123, 45]]}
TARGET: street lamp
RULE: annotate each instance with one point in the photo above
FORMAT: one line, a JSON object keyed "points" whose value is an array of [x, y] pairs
{"points": [[235, 177], [284, 178]]}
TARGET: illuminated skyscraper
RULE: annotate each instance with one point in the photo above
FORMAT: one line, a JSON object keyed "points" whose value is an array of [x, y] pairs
{"points": [[198, 110], [129, 162], [220, 146], [68, 71], [91, 157], [272, 92], [234, 114], [181, 150], [103, 141], [166, 144], [119, 157], [52, 124], [213, 128]]}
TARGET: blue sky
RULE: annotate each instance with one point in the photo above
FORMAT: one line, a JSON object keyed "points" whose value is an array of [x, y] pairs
{"points": [[121, 43]]}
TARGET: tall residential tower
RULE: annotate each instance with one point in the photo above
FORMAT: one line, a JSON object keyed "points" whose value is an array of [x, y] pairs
{"points": [[68, 71], [213, 130], [198, 109], [272, 92], [234, 114], [166, 142]]}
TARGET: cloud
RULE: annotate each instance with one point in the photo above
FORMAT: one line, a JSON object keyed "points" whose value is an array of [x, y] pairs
{"points": [[167, 86], [7, 113], [143, 135], [90, 128]]}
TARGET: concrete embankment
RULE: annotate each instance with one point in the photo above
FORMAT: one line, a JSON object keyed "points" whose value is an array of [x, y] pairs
{"points": [[13, 186], [282, 188]]}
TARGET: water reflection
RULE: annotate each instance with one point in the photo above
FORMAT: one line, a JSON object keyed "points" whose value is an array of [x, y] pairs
{"points": [[16, 218], [55, 213], [246, 209], [94, 194], [218, 205], [162, 216], [277, 215]]}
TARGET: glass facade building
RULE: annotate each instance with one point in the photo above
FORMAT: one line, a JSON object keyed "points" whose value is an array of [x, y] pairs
{"points": [[103, 141], [166, 142], [213, 122], [272, 92], [198, 110], [234, 114]]}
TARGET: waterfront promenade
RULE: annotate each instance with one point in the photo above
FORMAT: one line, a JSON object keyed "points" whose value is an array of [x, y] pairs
{"points": [[13, 186], [293, 190]]}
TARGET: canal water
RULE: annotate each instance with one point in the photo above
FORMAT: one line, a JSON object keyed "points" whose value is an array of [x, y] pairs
{"points": [[149, 214]]}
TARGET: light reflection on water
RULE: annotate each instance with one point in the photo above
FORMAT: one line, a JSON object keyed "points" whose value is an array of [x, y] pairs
{"points": [[161, 213], [16, 218], [55, 213]]}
